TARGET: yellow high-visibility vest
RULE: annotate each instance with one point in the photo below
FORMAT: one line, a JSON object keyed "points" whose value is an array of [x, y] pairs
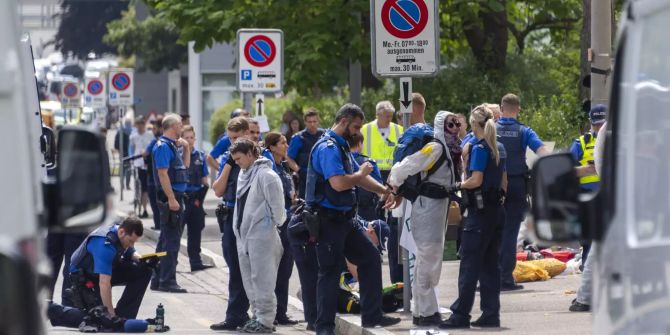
{"points": [[587, 156], [378, 149]]}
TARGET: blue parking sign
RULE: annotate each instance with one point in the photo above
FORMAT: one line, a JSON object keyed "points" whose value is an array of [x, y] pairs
{"points": [[245, 74]]}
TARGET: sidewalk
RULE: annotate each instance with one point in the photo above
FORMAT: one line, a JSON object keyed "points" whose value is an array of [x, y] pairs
{"points": [[541, 308]]}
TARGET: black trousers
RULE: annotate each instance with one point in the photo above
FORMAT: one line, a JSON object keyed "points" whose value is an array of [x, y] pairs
{"points": [[135, 278], [194, 220], [479, 261], [284, 273], [308, 271], [340, 236], [238, 303], [60, 247]]}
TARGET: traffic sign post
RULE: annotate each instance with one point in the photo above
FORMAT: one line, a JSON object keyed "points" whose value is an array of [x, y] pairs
{"points": [[405, 38], [95, 95], [70, 95], [121, 87], [260, 60], [405, 43]]}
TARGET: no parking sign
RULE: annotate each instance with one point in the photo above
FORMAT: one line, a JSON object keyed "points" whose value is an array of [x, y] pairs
{"points": [[70, 96], [405, 38], [94, 92], [121, 87], [260, 60]]}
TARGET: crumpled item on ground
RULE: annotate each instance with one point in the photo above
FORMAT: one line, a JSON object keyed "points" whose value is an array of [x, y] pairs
{"points": [[553, 266], [527, 272]]}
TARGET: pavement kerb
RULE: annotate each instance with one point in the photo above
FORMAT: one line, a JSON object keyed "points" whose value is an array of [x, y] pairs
{"points": [[344, 324]]}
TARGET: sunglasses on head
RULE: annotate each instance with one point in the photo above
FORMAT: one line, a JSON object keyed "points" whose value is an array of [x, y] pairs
{"points": [[454, 124]]}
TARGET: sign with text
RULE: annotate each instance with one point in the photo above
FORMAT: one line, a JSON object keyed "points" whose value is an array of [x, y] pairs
{"points": [[70, 95], [94, 92], [260, 60], [121, 87], [405, 38]]}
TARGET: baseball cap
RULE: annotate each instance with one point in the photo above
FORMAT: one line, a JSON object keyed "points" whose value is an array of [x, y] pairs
{"points": [[598, 114], [237, 112]]}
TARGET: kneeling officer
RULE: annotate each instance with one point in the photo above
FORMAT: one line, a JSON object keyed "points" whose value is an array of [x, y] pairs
{"points": [[107, 258]]}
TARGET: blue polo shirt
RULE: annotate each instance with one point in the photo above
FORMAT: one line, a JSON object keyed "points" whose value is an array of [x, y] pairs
{"points": [[578, 154], [375, 170], [163, 155], [267, 154], [103, 254], [220, 147], [226, 159], [295, 146], [529, 138], [327, 161]]}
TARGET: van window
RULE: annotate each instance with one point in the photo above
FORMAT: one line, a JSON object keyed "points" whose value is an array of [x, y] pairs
{"points": [[648, 205]]}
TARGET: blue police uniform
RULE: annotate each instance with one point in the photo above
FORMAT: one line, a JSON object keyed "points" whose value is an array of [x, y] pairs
{"points": [[102, 253], [299, 149], [339, 235], [481, 237], [238, 303], [151, 184], [194, 212], [286, 263], [516, 137], [59, 248], [367, 201], [166, 155], [220, 147]]}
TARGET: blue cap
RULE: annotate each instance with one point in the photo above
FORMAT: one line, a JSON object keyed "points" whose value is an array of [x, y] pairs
{"points": [[237, 112], [598, 114]]}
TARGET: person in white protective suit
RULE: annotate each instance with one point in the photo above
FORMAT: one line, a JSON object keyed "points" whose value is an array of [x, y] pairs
{"points": [[259, 211], [428, 217]]}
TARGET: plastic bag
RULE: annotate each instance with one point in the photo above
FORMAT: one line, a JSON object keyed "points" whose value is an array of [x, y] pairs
{"points": [[525, 272], [572, 267], [553, 266]]}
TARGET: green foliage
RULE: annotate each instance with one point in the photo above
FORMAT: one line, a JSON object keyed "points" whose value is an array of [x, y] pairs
{"points": [[153, 40]]}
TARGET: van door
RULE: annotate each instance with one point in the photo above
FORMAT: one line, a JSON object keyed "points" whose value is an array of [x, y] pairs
{"points": [[632, 276]]}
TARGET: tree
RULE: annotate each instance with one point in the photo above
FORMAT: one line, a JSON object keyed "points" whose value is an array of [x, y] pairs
{"points": [[83, 24], [153, 41]]}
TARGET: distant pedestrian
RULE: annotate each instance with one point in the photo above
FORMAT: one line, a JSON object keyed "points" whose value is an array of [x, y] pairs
{"points": [[139, 141], [258, 214]]}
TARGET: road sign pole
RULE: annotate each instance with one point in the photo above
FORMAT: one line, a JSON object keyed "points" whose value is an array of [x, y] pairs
{"points": [[122, 110], [406, 111]]}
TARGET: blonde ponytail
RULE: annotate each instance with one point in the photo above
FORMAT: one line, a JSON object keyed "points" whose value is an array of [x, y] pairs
{"points": [[482, 116]]}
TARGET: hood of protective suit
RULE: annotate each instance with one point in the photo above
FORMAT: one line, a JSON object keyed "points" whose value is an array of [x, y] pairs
{"points": [[438, 126], [247, 176]]}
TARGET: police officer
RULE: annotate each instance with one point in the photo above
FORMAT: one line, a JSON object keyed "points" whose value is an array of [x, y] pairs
{"points": [[276, 148], [582, 150], [171, 156], [149, 162], [223, 143], [484, 187], [332, 178], [196, 190], [60, 247], [301, 145], [367, 201], [225, 187], [516, 137], [107, 258]]}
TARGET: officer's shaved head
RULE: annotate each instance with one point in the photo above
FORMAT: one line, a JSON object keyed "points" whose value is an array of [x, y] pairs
{"points": [[169, 120]]}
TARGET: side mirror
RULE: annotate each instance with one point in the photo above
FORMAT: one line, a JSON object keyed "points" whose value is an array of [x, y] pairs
{"points": [[82, 182], [555, 199], [48, 146]]}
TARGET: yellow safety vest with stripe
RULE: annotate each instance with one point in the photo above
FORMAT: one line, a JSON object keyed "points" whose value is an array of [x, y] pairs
{"points": [[587, 156], [378, 149]]}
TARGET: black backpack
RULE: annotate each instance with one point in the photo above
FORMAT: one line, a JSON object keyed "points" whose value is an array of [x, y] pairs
{"points": [[414, 185]]}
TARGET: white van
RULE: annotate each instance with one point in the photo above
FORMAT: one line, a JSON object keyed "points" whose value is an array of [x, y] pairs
{"points": [[73, 196], [629, 216]]}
